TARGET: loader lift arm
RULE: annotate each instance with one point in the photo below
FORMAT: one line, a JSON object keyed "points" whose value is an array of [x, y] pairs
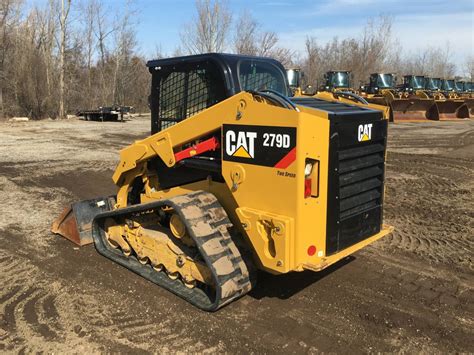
{"points": [[163, 144]]}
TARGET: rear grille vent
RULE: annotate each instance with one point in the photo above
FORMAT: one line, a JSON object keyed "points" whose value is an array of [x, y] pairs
{"points": [[360, 179], [356, 184]]}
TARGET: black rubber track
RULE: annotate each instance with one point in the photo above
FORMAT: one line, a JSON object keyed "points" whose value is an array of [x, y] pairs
{"points": [[208, 225]]}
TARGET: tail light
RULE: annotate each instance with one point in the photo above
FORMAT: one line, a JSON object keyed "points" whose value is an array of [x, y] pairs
{"points": [[307, 187], [311, 178]]}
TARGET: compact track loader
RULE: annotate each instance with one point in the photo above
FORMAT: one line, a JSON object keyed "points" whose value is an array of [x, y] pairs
{"points": [[236, 176]]}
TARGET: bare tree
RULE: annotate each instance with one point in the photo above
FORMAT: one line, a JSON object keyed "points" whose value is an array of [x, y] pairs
{"points": [[266, 43], [469, 68], [250, 40], [311, 66], [47, 26], [103, 28], [245, 36], [158, 54], [63, 22], [208, 32], [283, 55], [88, 11], [364, 55], [178, 51], [9, 16], [125, 43], [431, 61]]}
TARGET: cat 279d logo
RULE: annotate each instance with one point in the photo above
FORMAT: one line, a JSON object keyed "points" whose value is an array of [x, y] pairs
{"points": [[260, 145]]}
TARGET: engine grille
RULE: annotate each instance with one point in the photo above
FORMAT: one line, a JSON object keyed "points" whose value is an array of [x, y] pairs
{"points": [[360, 179], [356, 186]]}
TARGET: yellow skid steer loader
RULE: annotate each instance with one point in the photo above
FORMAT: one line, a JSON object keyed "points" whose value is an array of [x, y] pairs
{"points": [[237, 176]]}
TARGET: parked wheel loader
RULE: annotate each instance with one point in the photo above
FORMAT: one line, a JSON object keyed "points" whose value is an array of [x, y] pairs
{"points": [[468, 89], [237, 176], [337, 85], [294, 76], [450, 106], [336, 89], [403, 100], [467, 94], [448, 88]]}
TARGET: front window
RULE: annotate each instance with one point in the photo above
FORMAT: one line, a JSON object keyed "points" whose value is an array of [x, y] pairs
{"points": [[293, 77], [417, 82], [257, 75], [458, 86], [339, 80], [385, 81], [449, 85], [432, 84]]}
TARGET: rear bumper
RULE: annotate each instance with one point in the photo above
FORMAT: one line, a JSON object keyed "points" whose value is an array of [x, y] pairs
{"points": [[327, 261]]}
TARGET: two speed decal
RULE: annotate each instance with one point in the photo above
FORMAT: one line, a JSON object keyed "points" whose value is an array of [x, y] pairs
{"points": [[260, 145]]}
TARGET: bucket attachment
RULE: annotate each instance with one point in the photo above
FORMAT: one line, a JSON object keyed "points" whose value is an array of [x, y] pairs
{"points": [[75, 222], [469, 101], [453, 109], [414, 109]]}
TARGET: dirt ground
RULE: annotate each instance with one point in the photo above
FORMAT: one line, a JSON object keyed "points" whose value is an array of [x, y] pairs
{"points": [[412, 291]]}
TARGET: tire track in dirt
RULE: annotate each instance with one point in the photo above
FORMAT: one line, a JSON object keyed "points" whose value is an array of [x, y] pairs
{"points": [[429, 201], [27, 309], [37, 316], [117, 326]]}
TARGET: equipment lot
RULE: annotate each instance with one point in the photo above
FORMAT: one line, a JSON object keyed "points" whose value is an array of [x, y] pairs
{"points": [[411, 291]]}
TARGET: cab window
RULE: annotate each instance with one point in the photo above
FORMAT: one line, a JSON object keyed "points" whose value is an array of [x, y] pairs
{"points": [[255, 75]]}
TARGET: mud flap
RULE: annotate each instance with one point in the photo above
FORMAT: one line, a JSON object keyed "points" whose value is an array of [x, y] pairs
{"points": [[75, 222]]}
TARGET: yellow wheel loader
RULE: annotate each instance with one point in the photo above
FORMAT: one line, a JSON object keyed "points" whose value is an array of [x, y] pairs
{"points": [[236, 176], [294, 76], [405, 101], [451, 106], [467, 94], [336, 89]]}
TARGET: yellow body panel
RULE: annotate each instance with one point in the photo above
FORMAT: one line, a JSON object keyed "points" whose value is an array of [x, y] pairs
{"points": [[267, 204], [324, 262]]}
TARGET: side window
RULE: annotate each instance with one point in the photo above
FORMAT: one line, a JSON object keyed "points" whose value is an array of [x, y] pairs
{"points": [[185, 91], [171, 99]]}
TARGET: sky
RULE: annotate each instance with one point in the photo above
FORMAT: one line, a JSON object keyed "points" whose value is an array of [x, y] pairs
{"points": [[417, 23]]}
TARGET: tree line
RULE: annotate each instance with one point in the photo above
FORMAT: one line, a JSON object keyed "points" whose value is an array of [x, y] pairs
{"points": [[68, 55], [64, 56]]}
